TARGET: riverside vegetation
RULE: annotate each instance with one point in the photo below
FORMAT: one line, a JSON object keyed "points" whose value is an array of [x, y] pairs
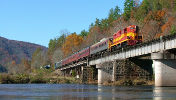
{"points": [[39, 76], [47, 76]]}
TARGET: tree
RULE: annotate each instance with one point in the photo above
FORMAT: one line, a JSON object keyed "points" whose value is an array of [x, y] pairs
{"points": [[84, 33], [104, 24], [71, 44], [128, 6], [114, 14], [52, 45], [38, 58], [97, 22], [156, 5], [143, 10], [173, 30], [60, 41], [26, 64]]}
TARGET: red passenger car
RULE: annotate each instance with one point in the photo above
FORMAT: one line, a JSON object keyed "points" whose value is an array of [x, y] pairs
{"points": [[83, 53]]}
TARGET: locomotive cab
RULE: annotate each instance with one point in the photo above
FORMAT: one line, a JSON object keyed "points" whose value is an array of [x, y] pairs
{"points": [[133, 35]]}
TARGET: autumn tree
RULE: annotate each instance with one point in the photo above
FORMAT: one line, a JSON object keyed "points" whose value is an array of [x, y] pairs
{"points": [[71, 44]]}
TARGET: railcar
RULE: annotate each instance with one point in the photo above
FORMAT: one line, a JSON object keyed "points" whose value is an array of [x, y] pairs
{"points": [[128, 36], [76, 56], [73, 57], [100, 46], [58, 65], [65, 61], [83, 54]]}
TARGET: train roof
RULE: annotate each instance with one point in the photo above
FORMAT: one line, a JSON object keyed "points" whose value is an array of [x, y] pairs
{"points": [[102, 40]]}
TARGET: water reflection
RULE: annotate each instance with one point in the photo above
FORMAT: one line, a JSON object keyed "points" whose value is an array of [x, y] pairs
{"points": [[84, 92], [164, 93], [102, 91]]}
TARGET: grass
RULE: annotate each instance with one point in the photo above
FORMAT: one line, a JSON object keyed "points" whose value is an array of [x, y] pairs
{"points": [[129, 82], [35, 78]]}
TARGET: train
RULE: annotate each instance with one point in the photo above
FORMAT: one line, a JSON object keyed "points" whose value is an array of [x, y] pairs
{"points": [[129, 36]]}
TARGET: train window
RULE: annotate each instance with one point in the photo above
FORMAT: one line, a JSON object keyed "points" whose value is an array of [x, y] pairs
{"points": [[132, 28]]}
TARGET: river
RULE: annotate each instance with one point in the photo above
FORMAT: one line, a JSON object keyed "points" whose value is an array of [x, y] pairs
{"points": [[84, 92]]}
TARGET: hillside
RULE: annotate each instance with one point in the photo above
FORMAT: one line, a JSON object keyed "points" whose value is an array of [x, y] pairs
{"points": [[12, 51], [154, 18]]}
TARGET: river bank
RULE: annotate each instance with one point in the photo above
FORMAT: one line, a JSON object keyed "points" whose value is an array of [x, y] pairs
{"points": [[38, 78], [27, 78]]}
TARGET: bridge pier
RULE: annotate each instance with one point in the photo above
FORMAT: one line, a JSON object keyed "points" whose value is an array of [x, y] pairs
{"points": [[103, 76], [165, 69], [114, 71]]}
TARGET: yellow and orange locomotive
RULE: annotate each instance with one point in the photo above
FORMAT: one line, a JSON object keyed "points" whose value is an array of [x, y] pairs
{"points": [[127, 36]]}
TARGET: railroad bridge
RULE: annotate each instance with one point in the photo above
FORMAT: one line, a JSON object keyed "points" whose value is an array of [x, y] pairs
{"points": [[158, 54]]}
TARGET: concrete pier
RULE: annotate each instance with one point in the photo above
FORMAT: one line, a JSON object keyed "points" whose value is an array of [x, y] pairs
{"points": [[103, 76], [165, 69], [114, 71]]}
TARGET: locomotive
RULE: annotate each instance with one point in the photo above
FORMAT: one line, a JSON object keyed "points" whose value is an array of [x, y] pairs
{"points": [[129, 36]]}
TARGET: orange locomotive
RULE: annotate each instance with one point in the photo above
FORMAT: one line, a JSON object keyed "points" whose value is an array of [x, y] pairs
{"points": [[128, 36]]}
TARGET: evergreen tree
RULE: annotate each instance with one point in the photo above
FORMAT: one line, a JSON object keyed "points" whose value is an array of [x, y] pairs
{"points": [[114, 14], [60, 40], [128, 6], [97, 22], [143, 10], [84, 33], [156, 5]]}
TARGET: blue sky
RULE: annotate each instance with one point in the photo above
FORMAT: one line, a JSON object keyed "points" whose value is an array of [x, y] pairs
{"points": [[38, 21]]}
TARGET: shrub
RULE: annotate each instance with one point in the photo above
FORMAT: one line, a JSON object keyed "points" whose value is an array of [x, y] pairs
{"points": [[173, 29], [21, 78], [6, 79]]}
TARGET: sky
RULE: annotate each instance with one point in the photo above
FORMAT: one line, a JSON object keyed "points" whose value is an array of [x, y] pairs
{"points": [[38, 21]]}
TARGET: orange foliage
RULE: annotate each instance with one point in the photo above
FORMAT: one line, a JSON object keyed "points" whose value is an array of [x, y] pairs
{"points": [[168, 24], [158, 35], [159, 15], [71, 44]]}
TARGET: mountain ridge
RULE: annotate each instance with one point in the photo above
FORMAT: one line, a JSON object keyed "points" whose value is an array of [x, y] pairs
{"points": [[14, 50]]}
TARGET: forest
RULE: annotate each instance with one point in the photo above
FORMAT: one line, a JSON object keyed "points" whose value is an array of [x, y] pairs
{"points": [[155, 18]]}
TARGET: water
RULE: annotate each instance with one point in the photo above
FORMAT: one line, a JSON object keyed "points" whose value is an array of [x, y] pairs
{"points": [[84, 92]]}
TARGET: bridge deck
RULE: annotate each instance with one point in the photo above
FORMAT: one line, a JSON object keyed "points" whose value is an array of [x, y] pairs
{"points": [[158, 45]]}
